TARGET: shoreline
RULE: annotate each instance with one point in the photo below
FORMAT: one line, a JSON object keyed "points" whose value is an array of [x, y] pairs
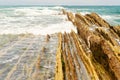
{"points": [[93, 53]]}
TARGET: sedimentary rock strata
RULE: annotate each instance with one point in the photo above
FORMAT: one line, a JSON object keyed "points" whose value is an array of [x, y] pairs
{"points": [[28, 57], [91, 54]]}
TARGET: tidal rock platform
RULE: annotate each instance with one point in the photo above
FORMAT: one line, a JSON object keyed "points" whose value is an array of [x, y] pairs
{"points": [[93, 53]]}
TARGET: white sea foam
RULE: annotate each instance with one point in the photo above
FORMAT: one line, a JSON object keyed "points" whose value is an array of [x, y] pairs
{"points": [[84, 13], [34, 20], [58, 7], [48, 12], [49, 29], [60, 27], [26, 12], [106, 16], [34, 12], [2, 15], [111, 18], [10, 60]]}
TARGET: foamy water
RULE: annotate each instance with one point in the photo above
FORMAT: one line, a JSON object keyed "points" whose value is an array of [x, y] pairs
{"points": [[35, 20], [46, 19], [112, 19]]}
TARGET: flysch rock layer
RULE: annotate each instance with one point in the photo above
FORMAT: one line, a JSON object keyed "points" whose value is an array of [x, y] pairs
{"points": [[91, 54], [28, 57]]}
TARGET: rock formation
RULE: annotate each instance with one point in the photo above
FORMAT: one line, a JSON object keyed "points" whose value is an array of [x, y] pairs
{"points": [[91, 54]]}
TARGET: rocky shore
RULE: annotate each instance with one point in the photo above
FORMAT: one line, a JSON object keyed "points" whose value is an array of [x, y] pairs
{"points": [[28, 57], [91, 54]]}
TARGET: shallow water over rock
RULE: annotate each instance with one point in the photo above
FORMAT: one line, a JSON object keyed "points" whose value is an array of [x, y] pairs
{"points": [[25, 58]]}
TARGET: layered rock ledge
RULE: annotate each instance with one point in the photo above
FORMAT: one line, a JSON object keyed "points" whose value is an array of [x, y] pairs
{"points": [[91, 54]]}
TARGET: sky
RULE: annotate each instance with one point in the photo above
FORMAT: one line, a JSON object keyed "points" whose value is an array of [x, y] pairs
{"points": [[59, 2]]}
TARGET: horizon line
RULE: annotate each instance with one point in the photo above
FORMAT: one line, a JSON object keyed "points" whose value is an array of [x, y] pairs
{"points": [[56, 5]]}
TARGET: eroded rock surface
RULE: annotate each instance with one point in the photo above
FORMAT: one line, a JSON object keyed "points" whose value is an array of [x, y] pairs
{"points": [[28, 57], [93, 53]]}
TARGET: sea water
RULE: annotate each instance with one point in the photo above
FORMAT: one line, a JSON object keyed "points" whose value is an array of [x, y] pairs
{"points": [[110, 13], [47, 19]]}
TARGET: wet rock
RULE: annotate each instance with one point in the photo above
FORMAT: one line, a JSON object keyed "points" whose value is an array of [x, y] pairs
{"points": [[71, 17], [43, 49], [95, 53], [81, 18], [98, 20], [64, 11], [116, 29], [47, 37], [59, 69], [108, 35]]}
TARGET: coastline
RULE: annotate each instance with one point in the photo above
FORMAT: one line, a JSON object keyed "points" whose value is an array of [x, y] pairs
{"points": [[93, 53]]}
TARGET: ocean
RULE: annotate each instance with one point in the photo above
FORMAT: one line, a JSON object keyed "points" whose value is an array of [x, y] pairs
{"points": [[46, 19]]}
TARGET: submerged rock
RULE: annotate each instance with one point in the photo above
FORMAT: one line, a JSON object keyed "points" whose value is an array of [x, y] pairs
{"points": [[47, 37]]}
